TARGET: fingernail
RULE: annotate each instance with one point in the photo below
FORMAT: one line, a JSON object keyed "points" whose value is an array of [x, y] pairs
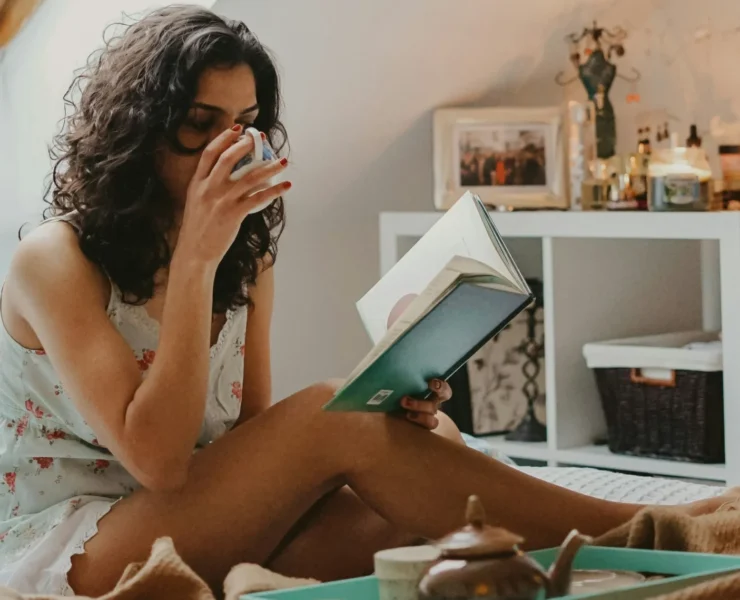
{"points": [[436, 384], [283, 161], [287, 185], [236, 128], [264, 137]]}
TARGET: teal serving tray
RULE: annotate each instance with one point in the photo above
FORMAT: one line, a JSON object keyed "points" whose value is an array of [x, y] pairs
{"points": [[683, 568]]}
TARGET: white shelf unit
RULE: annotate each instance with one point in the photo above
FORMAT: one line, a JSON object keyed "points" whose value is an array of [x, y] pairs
{"points": [[610, 275]]}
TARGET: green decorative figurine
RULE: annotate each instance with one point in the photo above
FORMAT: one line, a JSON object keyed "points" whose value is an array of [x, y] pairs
{"points": [[596, 71]]}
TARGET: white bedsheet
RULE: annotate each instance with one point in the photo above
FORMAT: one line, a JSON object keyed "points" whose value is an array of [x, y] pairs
{"points": [[625, 488], [609, 485]]}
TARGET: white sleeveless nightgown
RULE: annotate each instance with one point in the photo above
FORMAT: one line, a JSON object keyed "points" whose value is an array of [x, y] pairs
{"points": [[56, 481]]}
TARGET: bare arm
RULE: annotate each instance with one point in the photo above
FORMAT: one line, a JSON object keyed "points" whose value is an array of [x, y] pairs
{"points": [[257, 385], [58, 293], [150, 425]]}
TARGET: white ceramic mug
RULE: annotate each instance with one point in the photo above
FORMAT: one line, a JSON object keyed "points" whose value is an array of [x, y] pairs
{"points": [[261, 154], [400, 570]]}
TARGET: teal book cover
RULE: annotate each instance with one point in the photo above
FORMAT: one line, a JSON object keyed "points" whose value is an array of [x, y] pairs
{"points": [[441, 342]]}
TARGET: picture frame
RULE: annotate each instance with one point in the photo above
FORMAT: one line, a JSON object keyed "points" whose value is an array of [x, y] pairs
{"points": [[512, 158]]}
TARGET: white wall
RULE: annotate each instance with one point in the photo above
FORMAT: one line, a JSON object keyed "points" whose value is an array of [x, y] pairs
{"points": [[35, 71], [361, 79]]}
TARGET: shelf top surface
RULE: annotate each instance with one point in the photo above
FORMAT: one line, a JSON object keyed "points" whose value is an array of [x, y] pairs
{"points": [[575, 224]]}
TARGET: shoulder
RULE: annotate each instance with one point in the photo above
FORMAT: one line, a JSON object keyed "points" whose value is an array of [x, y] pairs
{"points": [[49, 260]]}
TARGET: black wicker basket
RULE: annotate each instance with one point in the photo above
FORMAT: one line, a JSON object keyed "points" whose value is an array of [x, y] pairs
{"points": [[681, 419]]}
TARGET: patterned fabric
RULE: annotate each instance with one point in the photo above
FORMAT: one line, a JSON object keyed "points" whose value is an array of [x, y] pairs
{"points": [[496, 379], [56, 480]]}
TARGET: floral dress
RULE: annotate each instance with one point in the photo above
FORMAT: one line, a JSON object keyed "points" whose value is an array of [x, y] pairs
{"points": [[56, 480]]}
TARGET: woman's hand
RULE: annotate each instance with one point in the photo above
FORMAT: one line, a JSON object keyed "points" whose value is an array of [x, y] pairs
{"points": [[423, 412], [216, 206]]}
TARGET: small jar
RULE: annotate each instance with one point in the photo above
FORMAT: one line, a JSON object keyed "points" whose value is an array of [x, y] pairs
{"points": [[679, 179], [732, 200], [729, 160], [595, 194]]}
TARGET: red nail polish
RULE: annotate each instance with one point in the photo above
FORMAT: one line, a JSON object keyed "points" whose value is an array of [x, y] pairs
{"points": [[287, 185], [236, 128], [283, 161]]}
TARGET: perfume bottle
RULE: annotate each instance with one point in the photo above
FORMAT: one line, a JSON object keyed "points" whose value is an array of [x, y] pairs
{"points": [[693, 141], [637, 181], [646, 142], [637, 169]]}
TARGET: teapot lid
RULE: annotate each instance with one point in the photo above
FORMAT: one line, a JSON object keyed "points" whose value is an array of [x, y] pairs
{"points": [[477, 538]]}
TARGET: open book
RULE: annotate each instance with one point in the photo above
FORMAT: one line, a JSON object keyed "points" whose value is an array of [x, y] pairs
{"points": [[451, 293]]}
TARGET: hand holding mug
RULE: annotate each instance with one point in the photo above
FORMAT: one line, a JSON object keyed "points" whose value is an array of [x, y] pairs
{"points": [[217, 202]]}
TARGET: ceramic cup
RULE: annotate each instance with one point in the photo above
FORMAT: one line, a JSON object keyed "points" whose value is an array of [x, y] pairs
{"points": [[400, 570], [261, 154]]}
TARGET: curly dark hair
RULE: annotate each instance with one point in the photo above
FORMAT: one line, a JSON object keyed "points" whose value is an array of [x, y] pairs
{"points": [[134, 93]]}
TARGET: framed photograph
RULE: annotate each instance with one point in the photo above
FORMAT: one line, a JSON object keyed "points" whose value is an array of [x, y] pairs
{"points": [[513, 158]]}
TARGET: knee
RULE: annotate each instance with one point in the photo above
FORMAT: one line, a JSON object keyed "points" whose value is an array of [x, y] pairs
{"points": [[323, 391], [448, 429], [332, 385], [311, 400]]}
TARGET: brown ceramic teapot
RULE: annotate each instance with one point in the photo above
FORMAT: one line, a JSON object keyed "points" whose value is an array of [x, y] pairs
{"points": [[484, 563]]}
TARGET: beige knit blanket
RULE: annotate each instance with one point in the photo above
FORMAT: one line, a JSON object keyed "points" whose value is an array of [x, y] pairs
{"points": [[164, 576], [665, 528]]}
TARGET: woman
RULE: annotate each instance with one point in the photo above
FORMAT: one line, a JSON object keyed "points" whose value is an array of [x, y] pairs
{"points": [[125, 346]]}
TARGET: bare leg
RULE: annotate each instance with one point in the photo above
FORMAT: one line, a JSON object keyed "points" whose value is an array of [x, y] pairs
{"points": [[448, 429], [336, 539], [319, 547], [247, 490]]}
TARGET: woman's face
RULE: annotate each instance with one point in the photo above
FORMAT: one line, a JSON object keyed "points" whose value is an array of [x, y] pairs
{"points": [[225, 97]]}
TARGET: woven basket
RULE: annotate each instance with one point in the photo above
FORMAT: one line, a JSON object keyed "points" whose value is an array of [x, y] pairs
{"points": [[681, 419]]}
